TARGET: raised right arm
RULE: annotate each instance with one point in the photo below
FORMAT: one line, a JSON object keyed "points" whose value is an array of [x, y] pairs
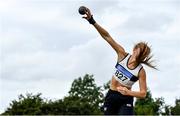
{"points": [[106, 36]]}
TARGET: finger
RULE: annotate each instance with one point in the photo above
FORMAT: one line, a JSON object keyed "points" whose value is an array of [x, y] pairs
{"points": [[84, 17], [120, 87], [121, 92], [88, 11]]}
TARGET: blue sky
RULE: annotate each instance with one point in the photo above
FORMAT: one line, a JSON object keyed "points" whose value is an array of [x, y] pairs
{"points": [[45, 44]]}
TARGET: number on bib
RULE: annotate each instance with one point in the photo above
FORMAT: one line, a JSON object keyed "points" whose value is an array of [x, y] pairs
{"points": [[120, 75]]}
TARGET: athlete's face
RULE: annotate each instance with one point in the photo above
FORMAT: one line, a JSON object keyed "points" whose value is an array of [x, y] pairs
{"points": [[136, 52], [141, 51]]}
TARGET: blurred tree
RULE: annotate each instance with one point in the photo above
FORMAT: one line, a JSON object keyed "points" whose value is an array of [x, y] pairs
{"points": [[167, 110], [106, 86], [53, 107], [176, 109], [149, 106], [86, 94], [85, 97], [29, 104]]}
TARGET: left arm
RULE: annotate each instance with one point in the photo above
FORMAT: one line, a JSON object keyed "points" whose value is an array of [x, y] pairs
{"points": [[142, 85]]}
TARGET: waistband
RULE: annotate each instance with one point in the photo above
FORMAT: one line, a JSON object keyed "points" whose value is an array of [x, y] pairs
{"points": [[110, 91]]}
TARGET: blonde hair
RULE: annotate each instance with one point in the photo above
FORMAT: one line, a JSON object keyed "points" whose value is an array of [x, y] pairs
{"points": [[145, 56]]}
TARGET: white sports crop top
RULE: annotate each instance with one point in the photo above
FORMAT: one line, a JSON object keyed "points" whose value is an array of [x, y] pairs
{"points": [[124, 75]]}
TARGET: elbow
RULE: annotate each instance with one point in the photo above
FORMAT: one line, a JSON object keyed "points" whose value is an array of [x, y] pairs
{"points": [[143, 95]]}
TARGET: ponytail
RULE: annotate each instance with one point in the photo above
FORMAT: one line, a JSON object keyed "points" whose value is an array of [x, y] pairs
{"points": [[145, 56]]}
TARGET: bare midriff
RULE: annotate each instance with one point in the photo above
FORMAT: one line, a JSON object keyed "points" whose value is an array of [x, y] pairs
{"points": [[114, 84]]}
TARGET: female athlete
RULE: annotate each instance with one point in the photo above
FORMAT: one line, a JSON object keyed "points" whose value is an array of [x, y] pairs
{"points": [[128, 70]]}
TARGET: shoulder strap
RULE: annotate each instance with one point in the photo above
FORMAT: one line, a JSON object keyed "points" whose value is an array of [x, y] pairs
{"points": [[125, 58], [137, 69]]}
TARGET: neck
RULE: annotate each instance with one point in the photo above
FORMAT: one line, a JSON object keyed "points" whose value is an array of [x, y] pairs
{"points": [[132, 62]]}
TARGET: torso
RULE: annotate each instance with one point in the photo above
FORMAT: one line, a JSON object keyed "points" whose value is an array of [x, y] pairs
{"points": [[115, 83]]}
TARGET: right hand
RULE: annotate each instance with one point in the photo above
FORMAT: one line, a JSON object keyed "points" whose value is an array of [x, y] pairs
{"points": [[123, 90], [87, 14]]}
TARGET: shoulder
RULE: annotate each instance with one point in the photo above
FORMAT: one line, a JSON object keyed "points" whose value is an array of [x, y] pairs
{"points": [[142, 73], [122, 56]]}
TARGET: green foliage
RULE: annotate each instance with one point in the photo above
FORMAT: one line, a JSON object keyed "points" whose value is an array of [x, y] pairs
{"points": [[53, 108], [75, 105], [106, 86], [87, 94], [176, 109], [85, 97], [148, 106], [29, 104], [166, 110]]}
